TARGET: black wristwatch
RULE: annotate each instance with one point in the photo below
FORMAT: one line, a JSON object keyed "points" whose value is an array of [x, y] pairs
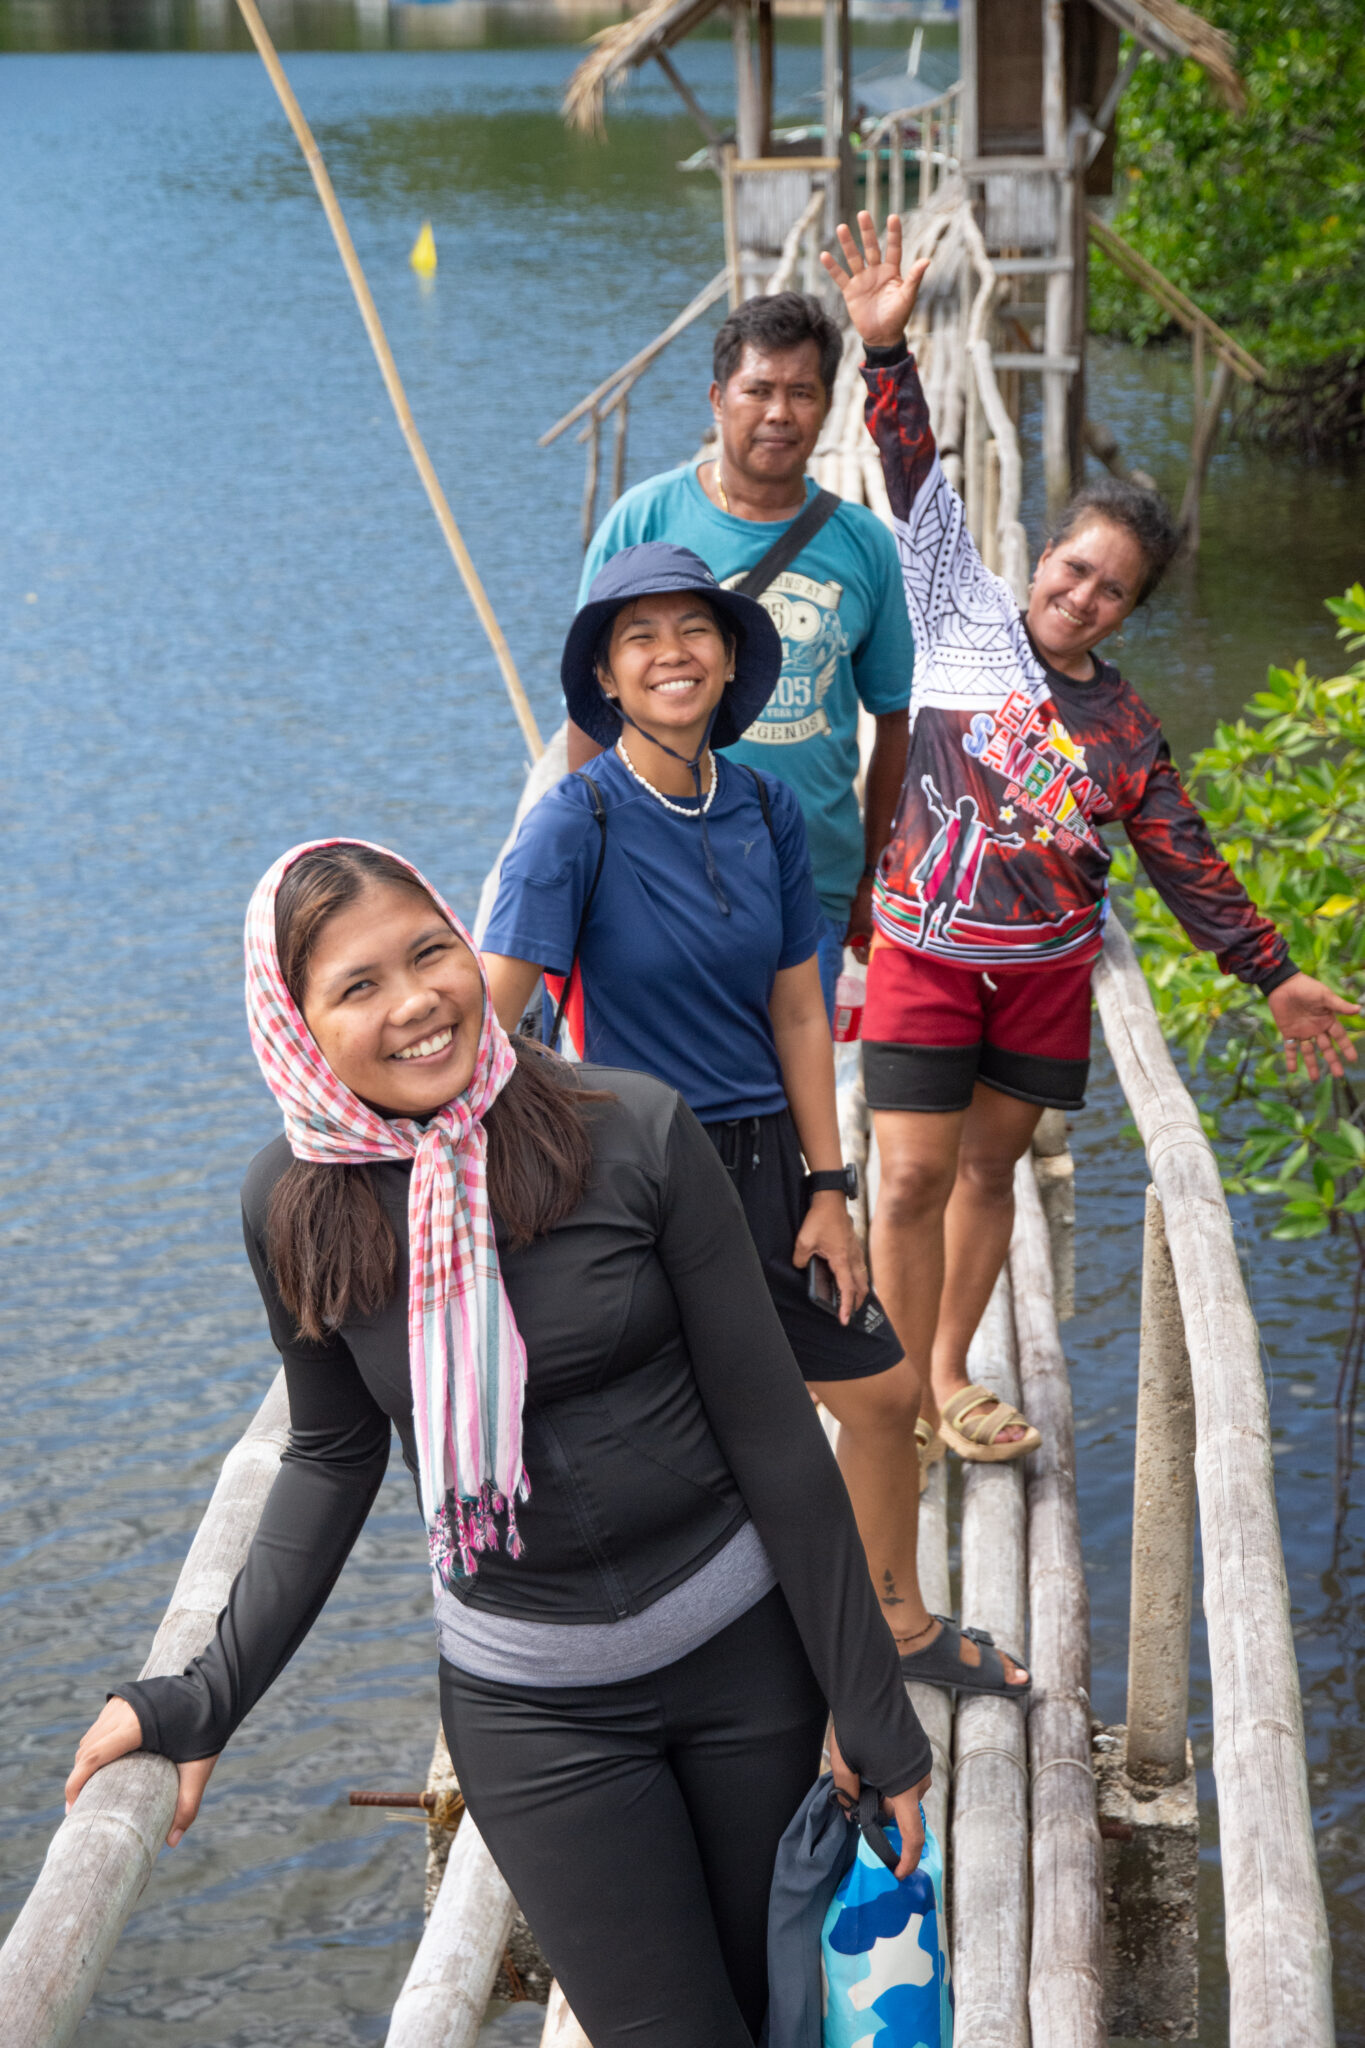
{"points": [[837, 1180]]}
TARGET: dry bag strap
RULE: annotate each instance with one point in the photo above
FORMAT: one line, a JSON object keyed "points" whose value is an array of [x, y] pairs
{"points": [[869, 1805], [788, 546], [599, 812]]}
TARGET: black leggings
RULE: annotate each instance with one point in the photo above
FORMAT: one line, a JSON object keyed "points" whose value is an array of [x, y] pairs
{"points": [[637, 1825]]}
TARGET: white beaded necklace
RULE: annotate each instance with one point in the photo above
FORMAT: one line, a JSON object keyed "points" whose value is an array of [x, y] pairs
{"points": [[680, 810]]}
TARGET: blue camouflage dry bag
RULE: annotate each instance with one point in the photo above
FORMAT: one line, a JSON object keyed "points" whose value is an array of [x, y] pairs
{"points": [[884, 1949]]}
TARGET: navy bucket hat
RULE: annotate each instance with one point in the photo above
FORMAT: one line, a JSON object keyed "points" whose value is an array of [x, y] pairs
{"points": [[644, 571]]}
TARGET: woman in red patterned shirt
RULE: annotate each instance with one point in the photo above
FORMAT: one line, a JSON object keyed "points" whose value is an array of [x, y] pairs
{"points": [[991, 897]]}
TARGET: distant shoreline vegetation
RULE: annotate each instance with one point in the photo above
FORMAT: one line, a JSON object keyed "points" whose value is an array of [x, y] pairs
{"points": [[38, 27], [1260, 217]]}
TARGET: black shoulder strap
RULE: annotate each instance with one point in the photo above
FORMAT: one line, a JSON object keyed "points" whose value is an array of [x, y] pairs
{"points": [[599, 811], [763, 803], [788, 546]]}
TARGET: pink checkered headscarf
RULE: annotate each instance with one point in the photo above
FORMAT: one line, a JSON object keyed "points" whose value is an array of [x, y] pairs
{"points": [[467, 1359]]}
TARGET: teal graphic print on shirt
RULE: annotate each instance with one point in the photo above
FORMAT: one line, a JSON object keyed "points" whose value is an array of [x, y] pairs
{"points": [[846, 640], [806, 614]]}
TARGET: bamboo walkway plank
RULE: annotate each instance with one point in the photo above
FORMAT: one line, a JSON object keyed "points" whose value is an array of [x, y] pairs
{"points": [[1066, 1972], [989, 1897]]}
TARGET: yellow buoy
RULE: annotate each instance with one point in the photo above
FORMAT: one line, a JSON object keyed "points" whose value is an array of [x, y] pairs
{"points": [[423, 257]]}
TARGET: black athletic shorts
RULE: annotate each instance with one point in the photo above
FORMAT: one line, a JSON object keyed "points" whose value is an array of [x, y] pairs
{"points": [[763, 1156]]}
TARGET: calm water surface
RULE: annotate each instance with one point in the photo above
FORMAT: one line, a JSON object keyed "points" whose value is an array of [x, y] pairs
{"points": [[229, 624]]}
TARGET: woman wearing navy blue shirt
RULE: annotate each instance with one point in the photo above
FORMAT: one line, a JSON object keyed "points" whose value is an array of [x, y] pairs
{"points": [[674, 887]]}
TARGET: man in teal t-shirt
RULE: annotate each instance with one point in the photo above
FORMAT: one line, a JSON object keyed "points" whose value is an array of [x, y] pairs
{"points": [[839, 606]]}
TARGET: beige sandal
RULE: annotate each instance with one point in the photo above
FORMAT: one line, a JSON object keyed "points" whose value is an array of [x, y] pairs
{"points": [[931, 1448], [975, 1437]]}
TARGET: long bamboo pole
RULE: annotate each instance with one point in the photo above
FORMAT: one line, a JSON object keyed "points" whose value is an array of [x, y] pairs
{"points": [[101, 1856], [1066, 1965], [393, 383], [1279, 1958]]}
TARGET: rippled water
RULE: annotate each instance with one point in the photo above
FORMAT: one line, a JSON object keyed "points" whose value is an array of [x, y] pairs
{"points": [[228, 624]]}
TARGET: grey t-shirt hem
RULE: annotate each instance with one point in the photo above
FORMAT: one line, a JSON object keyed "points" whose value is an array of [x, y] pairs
{"points": [[548, 1653]]}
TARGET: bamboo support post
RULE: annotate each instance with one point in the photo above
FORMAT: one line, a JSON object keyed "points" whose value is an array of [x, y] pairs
{"points": [[587, 523], [101, 1856], [561, 2029], [1060, 284], [1163, 1524], [1279, 1959], [990, 506], [691, 102], [1206, 417], [972, 464], [872, 152], [388, 369], [1055, 1171], [747, 109], [445, 1993], [730, 219], [1066, 1969], [798, 234], [895, 174], [990, 1857], [618, 450]]}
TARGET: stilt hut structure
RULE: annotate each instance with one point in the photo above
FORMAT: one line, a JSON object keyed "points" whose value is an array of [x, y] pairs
{"points": [[1023, 141]]}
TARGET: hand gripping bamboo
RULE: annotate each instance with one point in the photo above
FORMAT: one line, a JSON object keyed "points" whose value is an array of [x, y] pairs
{"points": [[393, 383]]}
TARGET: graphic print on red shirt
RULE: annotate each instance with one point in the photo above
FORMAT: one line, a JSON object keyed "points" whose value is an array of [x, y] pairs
{"points": [[995, 856]]}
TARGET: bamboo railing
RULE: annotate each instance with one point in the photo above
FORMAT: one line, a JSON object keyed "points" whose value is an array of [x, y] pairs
{"points": [[102, 1854], [1278, 1955], [930, 135]]}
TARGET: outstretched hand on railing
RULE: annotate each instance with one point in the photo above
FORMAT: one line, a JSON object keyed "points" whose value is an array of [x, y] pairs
{"points": [[879, 300], [117, 1732], [1307, 1015]]}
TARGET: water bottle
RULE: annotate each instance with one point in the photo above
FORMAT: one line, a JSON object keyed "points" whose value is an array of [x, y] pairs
{"points": [[850, 993]]}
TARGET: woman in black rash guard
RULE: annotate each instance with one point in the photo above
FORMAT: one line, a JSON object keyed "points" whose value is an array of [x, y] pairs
{"points": [[648, 1578]]}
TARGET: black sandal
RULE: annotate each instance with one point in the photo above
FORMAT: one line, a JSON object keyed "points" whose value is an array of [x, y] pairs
{"points": [[941, 1664]]}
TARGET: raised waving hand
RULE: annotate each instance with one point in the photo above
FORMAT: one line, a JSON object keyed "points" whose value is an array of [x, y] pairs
{"points": [[879, 300]]}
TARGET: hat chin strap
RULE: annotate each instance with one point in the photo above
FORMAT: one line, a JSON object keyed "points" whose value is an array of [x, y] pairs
{"points": [[693, 768]]}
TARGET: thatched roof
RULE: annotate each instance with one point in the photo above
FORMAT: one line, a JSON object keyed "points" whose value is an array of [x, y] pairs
{"points": [[1171, 29], [1164, 26], [620, 49]]}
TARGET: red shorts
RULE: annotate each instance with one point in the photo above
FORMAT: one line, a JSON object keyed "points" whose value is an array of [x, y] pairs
{"points": [[931, 1032]]}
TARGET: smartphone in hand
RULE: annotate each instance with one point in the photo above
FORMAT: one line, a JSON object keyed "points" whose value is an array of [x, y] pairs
{"points": [[821, 1285]]}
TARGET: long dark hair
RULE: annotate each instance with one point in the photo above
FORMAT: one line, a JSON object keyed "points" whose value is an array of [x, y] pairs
{"points": [[330, 1245]]}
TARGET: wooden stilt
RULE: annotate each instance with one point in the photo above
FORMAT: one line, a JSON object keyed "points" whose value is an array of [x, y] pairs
{"points": [[1163, 1524], [1201, 450], [990, 1855], [592, 434], [618, 451]]}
